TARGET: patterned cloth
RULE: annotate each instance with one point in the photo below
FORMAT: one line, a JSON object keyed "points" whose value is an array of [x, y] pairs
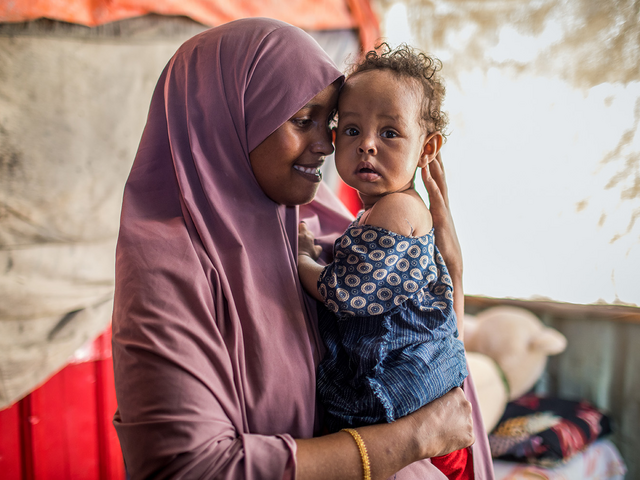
{"points": [[546, 431], [389, 327]]}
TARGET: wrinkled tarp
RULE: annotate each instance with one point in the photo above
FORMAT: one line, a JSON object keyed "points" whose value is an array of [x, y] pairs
{"points": [[307, 14], [72, 111]]}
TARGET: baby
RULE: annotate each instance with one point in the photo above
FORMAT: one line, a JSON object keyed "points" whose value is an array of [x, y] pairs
{"points": [[389, 324]]}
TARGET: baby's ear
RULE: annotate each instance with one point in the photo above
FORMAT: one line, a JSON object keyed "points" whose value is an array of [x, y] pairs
{"points": [[430, 149]]}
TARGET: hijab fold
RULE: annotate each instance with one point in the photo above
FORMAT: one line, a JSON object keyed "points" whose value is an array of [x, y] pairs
{"points": [[214, 343]]}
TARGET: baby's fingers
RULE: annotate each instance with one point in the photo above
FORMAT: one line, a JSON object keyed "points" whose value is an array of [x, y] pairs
{"points": [[306, 245]]}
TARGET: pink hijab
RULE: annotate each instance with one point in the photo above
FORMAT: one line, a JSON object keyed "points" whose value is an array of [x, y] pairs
{"points": [[215, 344]]}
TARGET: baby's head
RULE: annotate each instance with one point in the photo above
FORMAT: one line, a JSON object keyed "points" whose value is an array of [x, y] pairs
{"points": [[389, 120], [407, 63]]}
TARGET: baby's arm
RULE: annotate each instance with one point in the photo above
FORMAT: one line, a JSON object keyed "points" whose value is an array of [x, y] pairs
{"points": [[308, 269]]}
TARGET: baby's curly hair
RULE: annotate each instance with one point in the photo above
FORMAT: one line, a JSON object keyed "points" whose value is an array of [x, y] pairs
{"points": [[409, 62]]}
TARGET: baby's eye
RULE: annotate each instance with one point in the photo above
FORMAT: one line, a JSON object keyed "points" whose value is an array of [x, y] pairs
{"points": [[351, 132], [389, 134]]}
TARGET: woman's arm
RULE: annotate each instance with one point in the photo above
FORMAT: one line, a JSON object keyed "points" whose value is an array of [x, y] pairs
{"points": [[445, 231], [439, 427]]}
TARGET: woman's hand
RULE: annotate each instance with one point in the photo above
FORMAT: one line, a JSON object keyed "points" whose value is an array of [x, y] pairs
{"points": [[306, 245], [438, 428], [445, 230], [444, 425]]}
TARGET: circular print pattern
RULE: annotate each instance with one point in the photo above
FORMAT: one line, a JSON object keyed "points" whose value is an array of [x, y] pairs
{"points": [[368, 288], [352, 259], [394, 279], [376, 255], [386, 241], [375, 309], [375, 270], [369, 236], [399, 299], [402, 246], [391, 260], [333, 306], [360, 249], [380, 274], [410, 286], [439, 289], [364, 268], [342, 294], [358, 302], [416, 273], [352, 280], [403, 265], [385, 294]]}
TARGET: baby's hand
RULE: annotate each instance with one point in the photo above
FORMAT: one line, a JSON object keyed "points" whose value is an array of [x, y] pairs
{"points": [[305, 242]]}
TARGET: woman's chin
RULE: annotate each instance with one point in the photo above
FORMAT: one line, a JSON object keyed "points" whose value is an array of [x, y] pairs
{"points": [[301, 197]]}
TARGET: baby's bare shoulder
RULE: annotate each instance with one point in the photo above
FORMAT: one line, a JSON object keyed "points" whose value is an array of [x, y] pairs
{"points": [[403, 213]]}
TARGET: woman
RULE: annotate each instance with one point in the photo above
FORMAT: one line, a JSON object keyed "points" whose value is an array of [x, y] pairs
{"points": [[215, 345]]}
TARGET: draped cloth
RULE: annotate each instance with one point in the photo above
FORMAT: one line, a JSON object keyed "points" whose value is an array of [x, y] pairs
{"points": [[215, 344]]}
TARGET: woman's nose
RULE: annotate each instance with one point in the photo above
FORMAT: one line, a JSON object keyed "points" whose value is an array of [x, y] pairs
{"points": [[324, 143]]}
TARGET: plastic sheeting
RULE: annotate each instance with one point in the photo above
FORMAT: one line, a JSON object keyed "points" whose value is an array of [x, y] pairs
{"points": [[307, 14]]}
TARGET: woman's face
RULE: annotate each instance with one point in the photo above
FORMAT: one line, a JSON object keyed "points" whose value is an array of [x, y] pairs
{"points": [[287, 163]]}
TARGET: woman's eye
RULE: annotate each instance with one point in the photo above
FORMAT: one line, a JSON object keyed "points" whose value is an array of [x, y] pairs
{"points": [[301, 122], [389, 134]]}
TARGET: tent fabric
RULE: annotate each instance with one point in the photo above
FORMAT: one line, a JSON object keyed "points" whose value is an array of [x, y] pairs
{"points": [[73, 109], [306, 14]]}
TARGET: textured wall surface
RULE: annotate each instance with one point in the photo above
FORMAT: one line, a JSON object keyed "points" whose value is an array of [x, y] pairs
{"points": [[72, 112], [73, 104]]}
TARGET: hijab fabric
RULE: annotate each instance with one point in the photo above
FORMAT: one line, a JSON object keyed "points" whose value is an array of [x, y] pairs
{"points": [[214, 345]]}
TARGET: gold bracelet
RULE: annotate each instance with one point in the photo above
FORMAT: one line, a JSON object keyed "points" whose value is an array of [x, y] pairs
{"points": [[366, 467]]}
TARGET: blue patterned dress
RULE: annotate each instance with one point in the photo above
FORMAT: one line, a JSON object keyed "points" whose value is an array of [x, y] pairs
{"points": [[389, 327]]}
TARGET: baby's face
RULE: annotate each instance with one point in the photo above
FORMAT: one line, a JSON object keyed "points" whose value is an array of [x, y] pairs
{"points": [[380, 139]]}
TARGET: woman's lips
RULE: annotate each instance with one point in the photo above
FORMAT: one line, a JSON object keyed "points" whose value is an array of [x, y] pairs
{"points": [[311, 173]]}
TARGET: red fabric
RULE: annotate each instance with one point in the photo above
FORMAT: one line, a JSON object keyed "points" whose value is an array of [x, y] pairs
{"points": [[307, 14], [314, 15], [349, 197], [456, 465]]}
